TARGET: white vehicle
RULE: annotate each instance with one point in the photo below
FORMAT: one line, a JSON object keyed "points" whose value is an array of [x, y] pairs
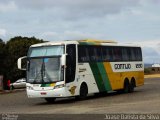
{"points": [[20, 83], [79, 68]]}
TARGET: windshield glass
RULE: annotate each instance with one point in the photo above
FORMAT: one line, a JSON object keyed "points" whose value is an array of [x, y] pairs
{"points": [[44, 70], [44, 65]]}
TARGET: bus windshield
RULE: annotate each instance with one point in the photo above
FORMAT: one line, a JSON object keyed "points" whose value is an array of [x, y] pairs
{"points": [[44, 65]]}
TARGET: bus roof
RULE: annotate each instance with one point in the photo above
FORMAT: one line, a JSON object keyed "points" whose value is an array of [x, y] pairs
{"points": [[97, 41], [85, 42]]}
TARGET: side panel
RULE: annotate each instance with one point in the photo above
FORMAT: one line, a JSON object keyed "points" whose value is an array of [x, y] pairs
{"points": [[100, 76], [105, 76], [118, 71], [85, 74], [114, 78]]}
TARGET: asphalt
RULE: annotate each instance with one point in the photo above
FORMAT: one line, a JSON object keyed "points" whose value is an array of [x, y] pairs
{"points": [[145, 100]]}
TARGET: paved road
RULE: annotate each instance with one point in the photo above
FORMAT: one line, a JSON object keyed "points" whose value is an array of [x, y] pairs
{"points": [[145, 99]]}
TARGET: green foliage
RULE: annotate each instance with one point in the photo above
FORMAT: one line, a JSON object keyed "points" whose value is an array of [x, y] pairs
{"points": [[15, 48], [147, 70], [2, 56], [1, 40]]}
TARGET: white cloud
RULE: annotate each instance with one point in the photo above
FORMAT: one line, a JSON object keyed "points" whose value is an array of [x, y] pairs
{"points": [[151, 50], [78, 9], [148, 43], [10, 6], [2, 33], [120, 20], [41, 4], [49, 34], [76, 35]]}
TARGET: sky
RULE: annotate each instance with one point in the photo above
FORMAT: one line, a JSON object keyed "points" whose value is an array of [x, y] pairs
{"points": [[125, 21]]}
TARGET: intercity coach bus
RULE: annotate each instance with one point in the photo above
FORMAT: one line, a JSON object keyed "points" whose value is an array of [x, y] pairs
{"points": [[82, 67]]}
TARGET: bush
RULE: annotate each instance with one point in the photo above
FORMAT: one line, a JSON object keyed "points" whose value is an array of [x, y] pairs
{"points": [[147, 70]]}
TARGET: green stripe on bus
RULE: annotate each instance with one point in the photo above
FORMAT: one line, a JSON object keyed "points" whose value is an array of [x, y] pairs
{"points": [[87, 43], [104, 76], [45, 85], [97, 77]]}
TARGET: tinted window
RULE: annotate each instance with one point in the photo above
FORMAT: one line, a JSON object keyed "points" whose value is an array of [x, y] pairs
{"points": [[108, 53], [83, 54], [117, 54], [125, 56]]}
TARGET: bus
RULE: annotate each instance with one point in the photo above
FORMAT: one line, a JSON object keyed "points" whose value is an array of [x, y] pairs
{"points": [[82, 67]]}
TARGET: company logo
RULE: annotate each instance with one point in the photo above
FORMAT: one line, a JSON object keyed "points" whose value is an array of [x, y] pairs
{"points": [[122, 66]]}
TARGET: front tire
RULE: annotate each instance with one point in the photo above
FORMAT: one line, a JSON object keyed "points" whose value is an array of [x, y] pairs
{"points": [[83, 92]]}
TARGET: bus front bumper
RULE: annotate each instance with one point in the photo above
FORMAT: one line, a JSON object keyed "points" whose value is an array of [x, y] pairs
{"points": [[60, 92]]}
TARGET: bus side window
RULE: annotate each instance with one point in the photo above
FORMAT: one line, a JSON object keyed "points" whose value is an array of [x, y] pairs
{"points": [[130, 54], [83, 54], [110, 54], [138, 54], [125, 56], [133, 54], [71, 63], [117, 54], [98, 54], [91, 52], [86, 51]]}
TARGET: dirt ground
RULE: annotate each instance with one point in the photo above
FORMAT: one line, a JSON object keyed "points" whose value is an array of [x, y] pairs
{"points": [[152, 76]]}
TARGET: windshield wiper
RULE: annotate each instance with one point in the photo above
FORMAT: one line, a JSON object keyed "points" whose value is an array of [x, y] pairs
{"points": [[41, 72], [37, 76], [44, 73]]}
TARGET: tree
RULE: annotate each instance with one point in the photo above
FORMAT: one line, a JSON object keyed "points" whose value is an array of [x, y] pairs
{"points": [[1, 40], [2, 57], [17, 47]]}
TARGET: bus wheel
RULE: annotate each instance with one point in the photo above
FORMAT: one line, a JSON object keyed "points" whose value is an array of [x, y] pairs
{"points": [[83, 91], [50, 100], [126, 86], [131, 86]]}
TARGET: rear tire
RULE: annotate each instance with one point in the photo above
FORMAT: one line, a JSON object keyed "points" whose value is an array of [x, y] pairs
{"points": [[126, 86], [131, 86], [50, 100]]}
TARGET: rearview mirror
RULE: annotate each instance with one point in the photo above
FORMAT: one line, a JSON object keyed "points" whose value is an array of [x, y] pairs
{"points": [[21, 61], [63, 60]]}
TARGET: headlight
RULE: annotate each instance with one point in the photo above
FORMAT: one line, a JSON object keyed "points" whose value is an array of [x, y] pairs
{"points": [[29, 87], [59, 86]]}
